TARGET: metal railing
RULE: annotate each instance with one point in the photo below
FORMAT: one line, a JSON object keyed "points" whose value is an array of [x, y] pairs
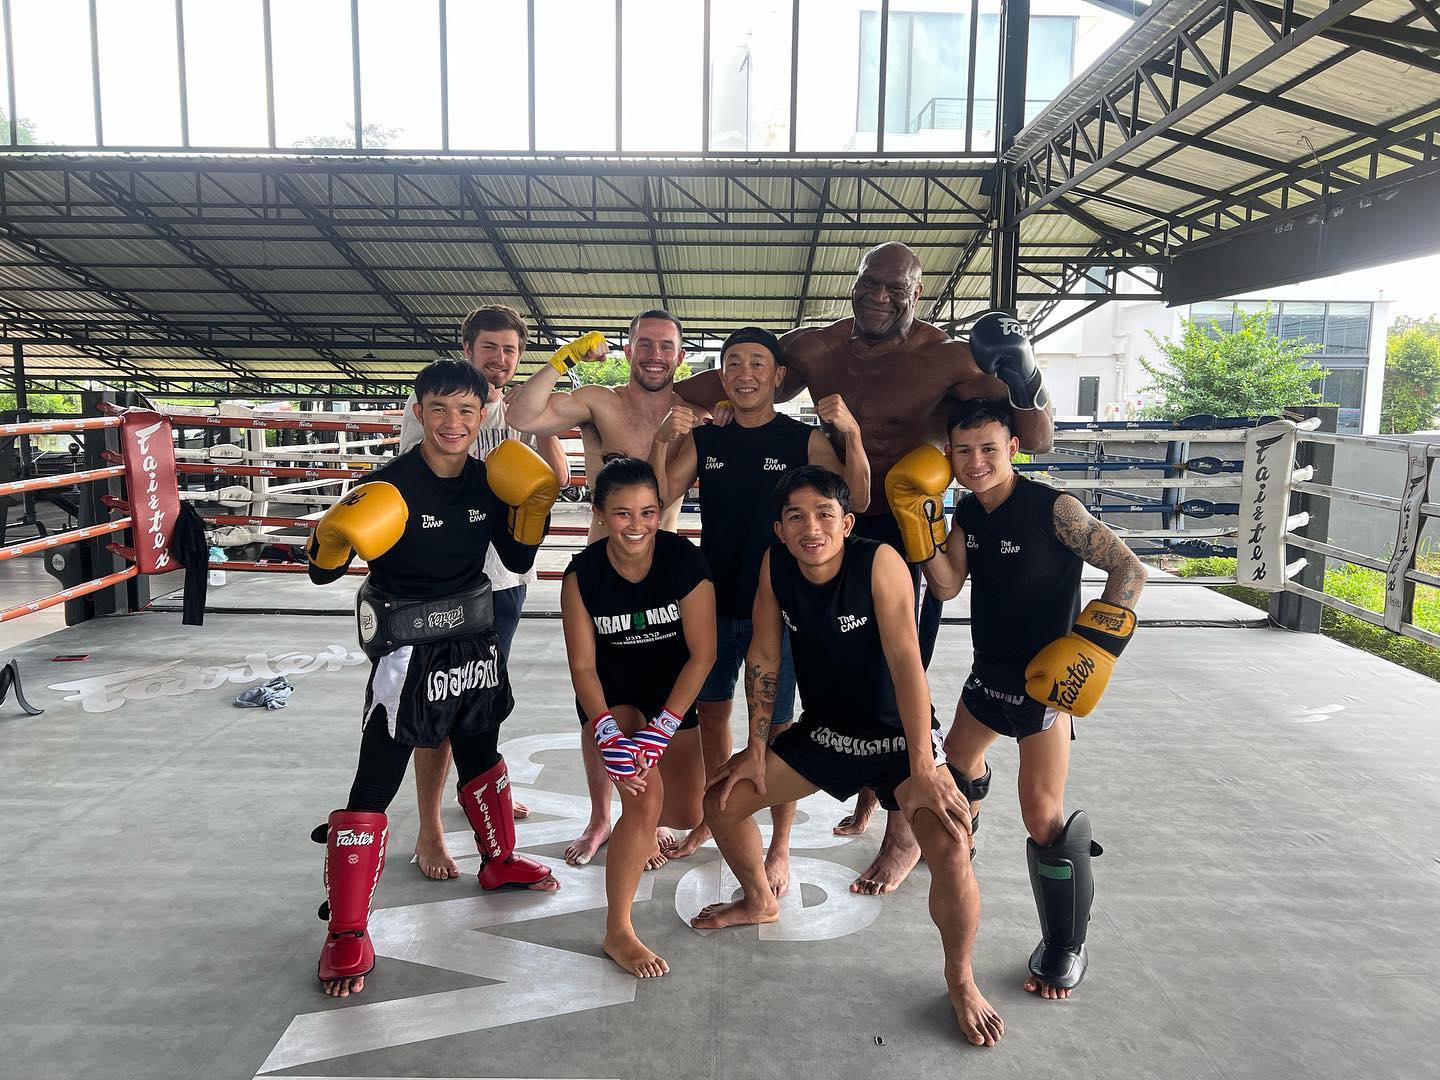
{"points": [[1413, 508]]}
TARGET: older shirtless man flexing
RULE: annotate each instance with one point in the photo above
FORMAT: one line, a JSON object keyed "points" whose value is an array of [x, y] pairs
{"points": [[612, 420], [900, 377]]}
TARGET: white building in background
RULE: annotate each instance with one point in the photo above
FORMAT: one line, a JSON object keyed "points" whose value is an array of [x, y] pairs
{"points": [[1092, 366]]}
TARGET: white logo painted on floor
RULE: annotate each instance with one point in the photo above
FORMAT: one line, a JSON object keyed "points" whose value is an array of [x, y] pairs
{"points": [[106, 693], [448, 935]]}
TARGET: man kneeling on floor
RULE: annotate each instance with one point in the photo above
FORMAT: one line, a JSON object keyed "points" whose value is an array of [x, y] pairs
{"points": [[866, 721], [423, 523]]}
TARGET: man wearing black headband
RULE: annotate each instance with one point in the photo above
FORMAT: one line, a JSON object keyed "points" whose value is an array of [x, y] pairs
{"points": [[738, 466], [902, 377]]}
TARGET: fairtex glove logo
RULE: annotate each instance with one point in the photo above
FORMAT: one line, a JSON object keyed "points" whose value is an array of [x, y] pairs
{"points": [[1065, 691]]}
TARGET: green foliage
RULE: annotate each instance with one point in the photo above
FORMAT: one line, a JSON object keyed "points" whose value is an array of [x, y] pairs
{"points": [[24, 130], [614, 370], [1412, 379], [43, 403], [1362, 587], [1247, 372]]}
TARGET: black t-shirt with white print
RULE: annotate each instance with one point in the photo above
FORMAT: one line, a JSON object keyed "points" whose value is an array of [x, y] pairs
{"points": [[639, 635], [452, 520]]}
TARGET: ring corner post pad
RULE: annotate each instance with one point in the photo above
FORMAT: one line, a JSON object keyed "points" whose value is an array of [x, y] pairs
{"points": [[10, 677]]}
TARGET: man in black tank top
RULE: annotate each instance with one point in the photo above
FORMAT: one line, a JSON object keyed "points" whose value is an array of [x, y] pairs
{"points": [[737, 466], [1023, 544], [866, 721]]}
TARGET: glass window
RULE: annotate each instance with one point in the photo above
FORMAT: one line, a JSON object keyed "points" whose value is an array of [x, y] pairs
{"points": [[489, 86], [52, 69], [662, 91], [400, 74], [225, 73], [1050, 64], [1251, 307], [139, 72], [984, 125], [750, 75], [1214, 318], [1303, 322], [1347, 330], [314, 80], [832, 94], [926, 78], [1345, 387], [575, 75]]}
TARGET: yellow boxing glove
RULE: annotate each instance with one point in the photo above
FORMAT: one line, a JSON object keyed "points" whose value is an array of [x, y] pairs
{"points": [[915, 488], [368, 521], [522, 480], [567, 356], [1072, 672]]}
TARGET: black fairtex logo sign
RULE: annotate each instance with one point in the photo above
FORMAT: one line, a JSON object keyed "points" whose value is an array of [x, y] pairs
{"points": [[1065, 691]]}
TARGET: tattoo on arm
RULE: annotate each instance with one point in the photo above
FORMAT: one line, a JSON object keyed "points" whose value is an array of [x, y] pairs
{"points": [[760, 691], [1101, 548]]}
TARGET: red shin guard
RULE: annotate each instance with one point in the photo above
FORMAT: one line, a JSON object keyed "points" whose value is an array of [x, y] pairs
{"points": [[354, 857], [486, 801]]}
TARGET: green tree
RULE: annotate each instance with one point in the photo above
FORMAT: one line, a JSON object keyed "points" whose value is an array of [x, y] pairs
{"points": [[614, 370], [1246, 372], [24, 129], [1412, 379], [43, 403], [377, 137]]}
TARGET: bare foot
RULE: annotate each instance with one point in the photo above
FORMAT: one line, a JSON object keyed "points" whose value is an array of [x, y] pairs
{"points": [[630, 953], [854, 824], [519, 810], [777, 871], [434, 858], [657, 859], [583, 848], [892, 866], [691, 844], [665, 839], [738, 913], [344, 987], [1045, 990], [980, 1023]]}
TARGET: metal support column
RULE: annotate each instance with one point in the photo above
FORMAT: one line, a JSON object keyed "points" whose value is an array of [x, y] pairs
{"points": [[22, 413], [1287, 609], [1005, 240]]}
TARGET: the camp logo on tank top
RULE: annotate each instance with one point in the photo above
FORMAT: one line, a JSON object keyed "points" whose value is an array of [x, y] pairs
{"points": [[739, 469]]}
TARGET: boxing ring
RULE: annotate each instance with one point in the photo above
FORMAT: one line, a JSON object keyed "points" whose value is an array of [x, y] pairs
{"points": [[1266, 904]]}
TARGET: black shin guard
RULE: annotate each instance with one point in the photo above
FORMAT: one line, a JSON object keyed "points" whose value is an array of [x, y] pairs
{"points": [[1064, 887]]}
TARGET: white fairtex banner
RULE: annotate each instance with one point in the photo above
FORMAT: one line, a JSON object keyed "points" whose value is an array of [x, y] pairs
{"points": [[1264, 505]]}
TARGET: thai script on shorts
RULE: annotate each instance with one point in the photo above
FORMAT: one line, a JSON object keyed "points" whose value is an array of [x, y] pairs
{"points": [[848, 744], [471, 675]]}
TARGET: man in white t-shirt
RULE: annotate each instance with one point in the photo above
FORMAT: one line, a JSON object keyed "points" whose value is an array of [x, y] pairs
{"points": [[493, 338]]}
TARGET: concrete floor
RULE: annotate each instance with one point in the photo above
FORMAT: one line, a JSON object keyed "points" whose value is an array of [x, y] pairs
{"points": [[1268, 901]]}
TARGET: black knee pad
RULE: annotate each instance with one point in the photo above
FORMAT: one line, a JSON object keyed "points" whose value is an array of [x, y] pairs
{"points": [[1064, 889], [974, 790]]}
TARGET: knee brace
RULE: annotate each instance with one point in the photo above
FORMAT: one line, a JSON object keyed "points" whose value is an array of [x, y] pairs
{"points": [[1064, 887], [973, 790]]}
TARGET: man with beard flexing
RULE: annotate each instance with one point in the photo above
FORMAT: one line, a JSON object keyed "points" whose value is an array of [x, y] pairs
{"points": [[900, 378], [612, 420]]}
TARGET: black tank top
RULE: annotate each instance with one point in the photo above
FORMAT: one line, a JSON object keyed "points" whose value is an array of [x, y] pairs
{"points": [[840, 668], [738, 469], [639, 635], [1025, 583]]}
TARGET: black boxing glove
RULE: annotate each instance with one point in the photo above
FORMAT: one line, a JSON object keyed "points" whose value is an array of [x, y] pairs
{"points": [[1000, 348]]}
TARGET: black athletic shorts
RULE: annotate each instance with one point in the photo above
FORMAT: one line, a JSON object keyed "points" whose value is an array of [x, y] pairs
{"points": [[840, 765], [690, 720], [426, 693], [1000, 703]]}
